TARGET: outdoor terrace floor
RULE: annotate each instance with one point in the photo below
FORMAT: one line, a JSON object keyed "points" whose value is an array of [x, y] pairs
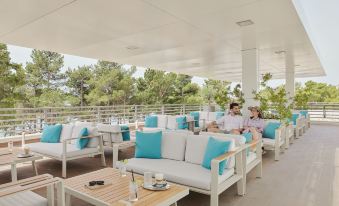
{"points": [[304, 176]]}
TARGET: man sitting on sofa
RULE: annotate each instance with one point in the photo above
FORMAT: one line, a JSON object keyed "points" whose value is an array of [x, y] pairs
{"points": [[232, 123]]}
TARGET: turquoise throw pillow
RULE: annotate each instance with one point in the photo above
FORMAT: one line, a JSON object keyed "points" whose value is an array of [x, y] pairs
{"points": [[304, 113], [248, 136], [218, 115], [196, 116], [51, 133], [82, 142], [294, 118], [182, 123], [214, 149], [151, 121], [269, 130], [126, 136], [148, 145]]}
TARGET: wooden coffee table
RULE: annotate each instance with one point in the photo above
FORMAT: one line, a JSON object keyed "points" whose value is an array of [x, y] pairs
{"points": [[10, 158], [117, 193]]}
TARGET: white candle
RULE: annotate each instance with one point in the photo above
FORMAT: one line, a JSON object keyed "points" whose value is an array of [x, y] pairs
{"points": [[159, 176]]}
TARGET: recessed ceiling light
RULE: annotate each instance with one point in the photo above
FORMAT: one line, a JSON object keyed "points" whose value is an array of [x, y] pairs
{"points": [[245, 23], [132, 47], [280, 52], [297, 65], [195, 64]]}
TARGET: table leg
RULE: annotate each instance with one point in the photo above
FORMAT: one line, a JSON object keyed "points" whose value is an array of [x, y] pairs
{"points": [[68, 199], [14, 172], [34, 167]]}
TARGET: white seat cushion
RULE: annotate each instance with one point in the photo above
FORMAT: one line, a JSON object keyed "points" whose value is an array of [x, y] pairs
{"points": [[153, 129], [270, 142], [251, 156], [162, 121], [177, 171], [172, 122], [173, 145], [55, 149], [26, 198]]}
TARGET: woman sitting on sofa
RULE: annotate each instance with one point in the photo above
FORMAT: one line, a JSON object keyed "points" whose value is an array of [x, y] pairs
{"points": [[255, 123]]}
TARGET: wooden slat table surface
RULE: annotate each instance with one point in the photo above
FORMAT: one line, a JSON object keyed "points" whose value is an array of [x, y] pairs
{"points": [[7, 159], [117, 193]]}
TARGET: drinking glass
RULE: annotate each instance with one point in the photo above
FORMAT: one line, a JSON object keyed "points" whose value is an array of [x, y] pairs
{"points": [[148, 179], [122, 168], [133, 191]]}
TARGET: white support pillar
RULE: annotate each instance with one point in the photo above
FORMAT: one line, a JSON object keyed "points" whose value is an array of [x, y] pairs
{"points": [[290, 74], [250, 77]]}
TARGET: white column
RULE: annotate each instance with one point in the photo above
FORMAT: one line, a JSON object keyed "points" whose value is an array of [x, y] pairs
{"points": [[250, 77], [290, 74]]}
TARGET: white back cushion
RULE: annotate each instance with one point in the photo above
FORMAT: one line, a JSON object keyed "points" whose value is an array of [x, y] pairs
{"points": [[162, 121], [93, 142], [196, 146], [66, 131], [212, 116], [172, 122], [173, 145], [203, 115], [113, 131]]}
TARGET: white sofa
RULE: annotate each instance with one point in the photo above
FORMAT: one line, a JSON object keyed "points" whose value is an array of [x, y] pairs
{"points": [[66, 149], [253, 158], [279, 143], [182, 156], [166, 122], [299, 126], [20, 192], [205, 118]]}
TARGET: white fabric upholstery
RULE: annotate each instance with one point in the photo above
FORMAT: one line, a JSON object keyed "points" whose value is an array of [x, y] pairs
{"points": [[251, 156], [212, 116], [172, 122], [107, 128], [203, 115], [270, 142], [173, 145], [66, 131], [26, 198], [92, 130], [162, 121], [196, 146], [152, 129], [177, 171], [55, 149]]}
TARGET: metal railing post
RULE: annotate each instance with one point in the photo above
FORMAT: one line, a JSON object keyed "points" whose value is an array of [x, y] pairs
{"points": [[135, 113], [324, 111], [162, 109]]}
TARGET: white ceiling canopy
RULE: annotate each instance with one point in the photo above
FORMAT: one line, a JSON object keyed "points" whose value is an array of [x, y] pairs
{"points": [[195, 37]]}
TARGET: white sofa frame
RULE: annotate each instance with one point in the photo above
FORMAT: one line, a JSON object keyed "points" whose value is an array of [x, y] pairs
{"points": [[289, 135], [33, 183], [298, 128], [65, 158], [216, 188], [279, 143]]}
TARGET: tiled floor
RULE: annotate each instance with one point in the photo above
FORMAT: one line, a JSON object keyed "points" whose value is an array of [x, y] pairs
{"points": [[304, 176]]}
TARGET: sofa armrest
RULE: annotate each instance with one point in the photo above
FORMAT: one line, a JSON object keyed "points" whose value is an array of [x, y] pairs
{"points": [[117, 146], [252, 143], [89, 136]]}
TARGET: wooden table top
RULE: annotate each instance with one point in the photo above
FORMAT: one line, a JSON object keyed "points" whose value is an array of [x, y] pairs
{"points": [[7, 158], [117, 193]]}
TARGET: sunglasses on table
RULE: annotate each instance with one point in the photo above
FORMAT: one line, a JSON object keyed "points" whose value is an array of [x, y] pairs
{"points": [[100, 182]]}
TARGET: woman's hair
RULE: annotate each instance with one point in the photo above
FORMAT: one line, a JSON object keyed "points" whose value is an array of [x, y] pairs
{"points": [[259, 113]]}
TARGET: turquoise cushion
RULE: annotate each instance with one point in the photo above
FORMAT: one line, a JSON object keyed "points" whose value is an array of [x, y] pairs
{"points": [[51, 133], [269, 130], [196, 116], [248, 136], [214, 149], [294, 118], [182, 123], [148, 145], [126, 136], [304, 113], [82, 142], [218, 115], [151, 121]]}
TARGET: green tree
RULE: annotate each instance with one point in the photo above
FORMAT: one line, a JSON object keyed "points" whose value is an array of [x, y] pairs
{"points": [[111, 84], [217, 91], [11, 79], [78, 82]]}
